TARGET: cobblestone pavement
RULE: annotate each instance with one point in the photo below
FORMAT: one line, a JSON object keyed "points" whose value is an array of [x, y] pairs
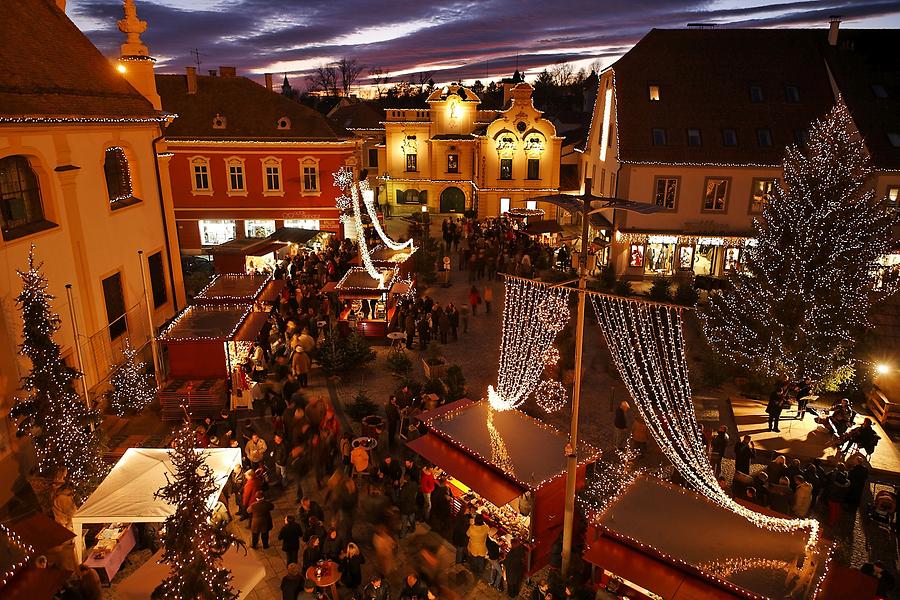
{"points": [[477, 352]]}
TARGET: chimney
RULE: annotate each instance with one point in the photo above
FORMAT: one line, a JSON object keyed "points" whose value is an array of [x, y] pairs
{"points": [[834, 23], [192, 80], [269, 82], [228, 71]]}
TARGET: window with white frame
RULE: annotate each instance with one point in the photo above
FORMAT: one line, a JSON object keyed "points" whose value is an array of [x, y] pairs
{"points": [[309, 167], [272, 175], [200, 179], [504, 205], [666, 192], [236, 182], [715, 196], [216, 231], [259, 229]]}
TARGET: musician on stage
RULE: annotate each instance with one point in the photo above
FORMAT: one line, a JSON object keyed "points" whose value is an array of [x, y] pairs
{"points": [[802, 392], [776, 405]]}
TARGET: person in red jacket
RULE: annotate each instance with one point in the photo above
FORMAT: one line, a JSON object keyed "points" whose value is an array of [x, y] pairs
{"points": [[426, 486]]}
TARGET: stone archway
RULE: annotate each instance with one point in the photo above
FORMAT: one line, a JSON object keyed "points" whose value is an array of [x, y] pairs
{"points": [[453, 200]]}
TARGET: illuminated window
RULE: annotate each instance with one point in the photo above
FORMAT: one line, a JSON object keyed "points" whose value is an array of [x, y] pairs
{"points": [[235, 175], [893, 197], [504, 205], [214, 232], [118, 177], [693, 137], [685, 257], [760, 192], [412, 163], [715, 195], [729, 137], [531, 204], [310, 168], [453, 163], [659, 136], [259, 229], [272, 175], [733, 259], [534, 168], [636, 256], [654, 93], [505, 168], [311, 224], [666, 192], [200, 171]]}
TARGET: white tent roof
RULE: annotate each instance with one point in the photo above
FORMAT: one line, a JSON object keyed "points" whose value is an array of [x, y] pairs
{"points": [[126, 495]]}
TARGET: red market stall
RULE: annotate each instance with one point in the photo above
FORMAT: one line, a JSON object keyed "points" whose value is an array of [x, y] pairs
{"points": [[242, 255], [508, 466], [240, 288], [204, 346], [357, 291], [639, 550]]}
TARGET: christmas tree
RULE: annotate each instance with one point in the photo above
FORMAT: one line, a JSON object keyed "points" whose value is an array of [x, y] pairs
{"points": [[132, 388], [193, 546], [807, 285], [53, 414]]}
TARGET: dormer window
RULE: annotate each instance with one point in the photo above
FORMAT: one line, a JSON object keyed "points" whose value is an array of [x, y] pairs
{"points": [[654, 93], [219, 122], [284, 123]]}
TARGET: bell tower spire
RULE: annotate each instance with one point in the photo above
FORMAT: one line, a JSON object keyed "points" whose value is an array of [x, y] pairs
{"points": [[135, 62]]}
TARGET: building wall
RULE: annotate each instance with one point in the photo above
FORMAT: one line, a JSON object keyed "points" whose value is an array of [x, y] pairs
{"points": [[90, 242], [255, 202]]}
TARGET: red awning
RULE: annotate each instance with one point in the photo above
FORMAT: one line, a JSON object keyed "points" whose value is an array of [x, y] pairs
{"points": [[478, 476], [251, 327], [650, 573]]}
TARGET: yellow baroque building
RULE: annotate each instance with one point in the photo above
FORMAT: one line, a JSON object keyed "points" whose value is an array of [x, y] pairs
{"points": [[452, 158]]}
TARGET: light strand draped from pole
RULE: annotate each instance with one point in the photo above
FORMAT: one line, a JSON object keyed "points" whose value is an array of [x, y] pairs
{"points": [[646, 342], [533, 314]]}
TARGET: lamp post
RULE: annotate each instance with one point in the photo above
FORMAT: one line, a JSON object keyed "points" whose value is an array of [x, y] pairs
{"points": [[585, 205]]}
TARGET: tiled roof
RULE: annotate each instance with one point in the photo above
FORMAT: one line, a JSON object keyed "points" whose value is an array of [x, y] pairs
{"points": [[251, 111], [49, 68], [360, 115], [705, 77], [862, 59]]}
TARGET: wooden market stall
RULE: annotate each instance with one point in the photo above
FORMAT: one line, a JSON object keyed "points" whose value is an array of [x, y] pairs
{"points": [[205, 345], [387, 258], [244, 255], [508, 466], [240, 288], [708, 552], [368, 305]]}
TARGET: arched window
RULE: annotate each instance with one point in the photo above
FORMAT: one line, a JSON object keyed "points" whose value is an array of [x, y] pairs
{"points": [[20, 197], [272, 183], [236, 183], [119, 189], [200, 177]]}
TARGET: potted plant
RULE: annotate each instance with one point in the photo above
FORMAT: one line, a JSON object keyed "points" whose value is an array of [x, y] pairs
{"points": [[434, 364]]}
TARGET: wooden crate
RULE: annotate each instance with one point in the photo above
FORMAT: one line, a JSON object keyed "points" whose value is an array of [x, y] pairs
{"points": [[204, 397], [886, 412]]}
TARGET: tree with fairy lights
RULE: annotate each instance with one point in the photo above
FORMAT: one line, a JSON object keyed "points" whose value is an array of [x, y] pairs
{"points": [[193, 545], [806, 288], [132, 387], [52, 414]]}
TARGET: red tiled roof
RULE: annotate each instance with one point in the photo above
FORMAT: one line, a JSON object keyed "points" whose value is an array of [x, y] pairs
{"points": [[49, 68], [251, 111], [705, 77], [360, 115]]}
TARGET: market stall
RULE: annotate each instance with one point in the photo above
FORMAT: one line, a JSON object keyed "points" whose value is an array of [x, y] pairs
{"points": [[508, 466], [240, 288], [247, 255], [246, 572], [126, 495], [367, 303], [387, 258], [20, 543], [708, 552]]}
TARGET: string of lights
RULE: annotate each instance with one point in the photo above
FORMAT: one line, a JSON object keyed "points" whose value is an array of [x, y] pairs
{"points": [[15, 541], [167, 336], [224, 277], [533, 314], [647, 345]]}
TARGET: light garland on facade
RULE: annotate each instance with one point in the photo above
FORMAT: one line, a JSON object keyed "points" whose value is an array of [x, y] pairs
{"points": [[551, 396], [533, 315], [16, 541], [124, 174], [646, 342], [165, 334], [191, 142], [110, 120], [728, 241], [524, 213]]}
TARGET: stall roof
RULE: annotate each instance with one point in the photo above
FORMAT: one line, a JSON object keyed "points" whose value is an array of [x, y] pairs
{"points": [[233, 287], [294, 235], [241, 246], [483, 480], [510, 446], [251, 327], [387, 256], [544, 226], [197, 322], [635, 518], [272, 290], [358, 282]]}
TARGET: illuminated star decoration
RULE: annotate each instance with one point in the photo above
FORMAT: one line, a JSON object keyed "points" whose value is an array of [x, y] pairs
{"points": [[646, 342], [551, 395], [533, 314]]}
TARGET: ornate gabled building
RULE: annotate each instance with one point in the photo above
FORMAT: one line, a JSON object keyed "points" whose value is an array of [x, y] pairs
{"points": [[697, 120], [79, 182], [452, 157]]}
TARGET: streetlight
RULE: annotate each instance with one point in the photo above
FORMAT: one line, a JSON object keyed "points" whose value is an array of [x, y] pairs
{"points": [[586, 205]]}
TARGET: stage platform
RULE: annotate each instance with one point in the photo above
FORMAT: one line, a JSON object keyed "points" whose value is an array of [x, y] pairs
{"points": [[804, 439]]}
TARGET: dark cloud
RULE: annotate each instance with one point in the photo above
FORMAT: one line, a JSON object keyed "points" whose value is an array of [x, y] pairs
{"points": [[478, 39]]}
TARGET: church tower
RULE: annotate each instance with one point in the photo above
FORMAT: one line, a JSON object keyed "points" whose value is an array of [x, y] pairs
{"points": [[135, 62]]}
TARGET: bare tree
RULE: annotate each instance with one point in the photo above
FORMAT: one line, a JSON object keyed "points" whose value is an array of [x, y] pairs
{"points": [[563, 73], [349, 71], [324, 78], [379, 78]]}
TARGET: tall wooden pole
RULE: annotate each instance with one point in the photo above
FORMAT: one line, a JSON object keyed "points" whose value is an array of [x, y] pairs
{"points": [[572, 448], [84, 385], [153, 349]]}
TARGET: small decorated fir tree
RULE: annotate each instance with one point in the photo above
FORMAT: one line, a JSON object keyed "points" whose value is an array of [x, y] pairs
{"points": [[193, 546], [53, 414], [132, 387], [807, 286]]}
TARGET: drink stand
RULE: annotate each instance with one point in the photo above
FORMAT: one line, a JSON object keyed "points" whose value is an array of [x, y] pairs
{"points": [[357, 287]]}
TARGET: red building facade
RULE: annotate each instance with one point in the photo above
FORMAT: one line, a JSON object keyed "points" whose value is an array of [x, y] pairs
{"points": [[247, 161]]}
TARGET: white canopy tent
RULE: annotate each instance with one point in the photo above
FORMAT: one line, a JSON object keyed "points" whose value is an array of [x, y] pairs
{"points": [[127, 493], [246, 572]]}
